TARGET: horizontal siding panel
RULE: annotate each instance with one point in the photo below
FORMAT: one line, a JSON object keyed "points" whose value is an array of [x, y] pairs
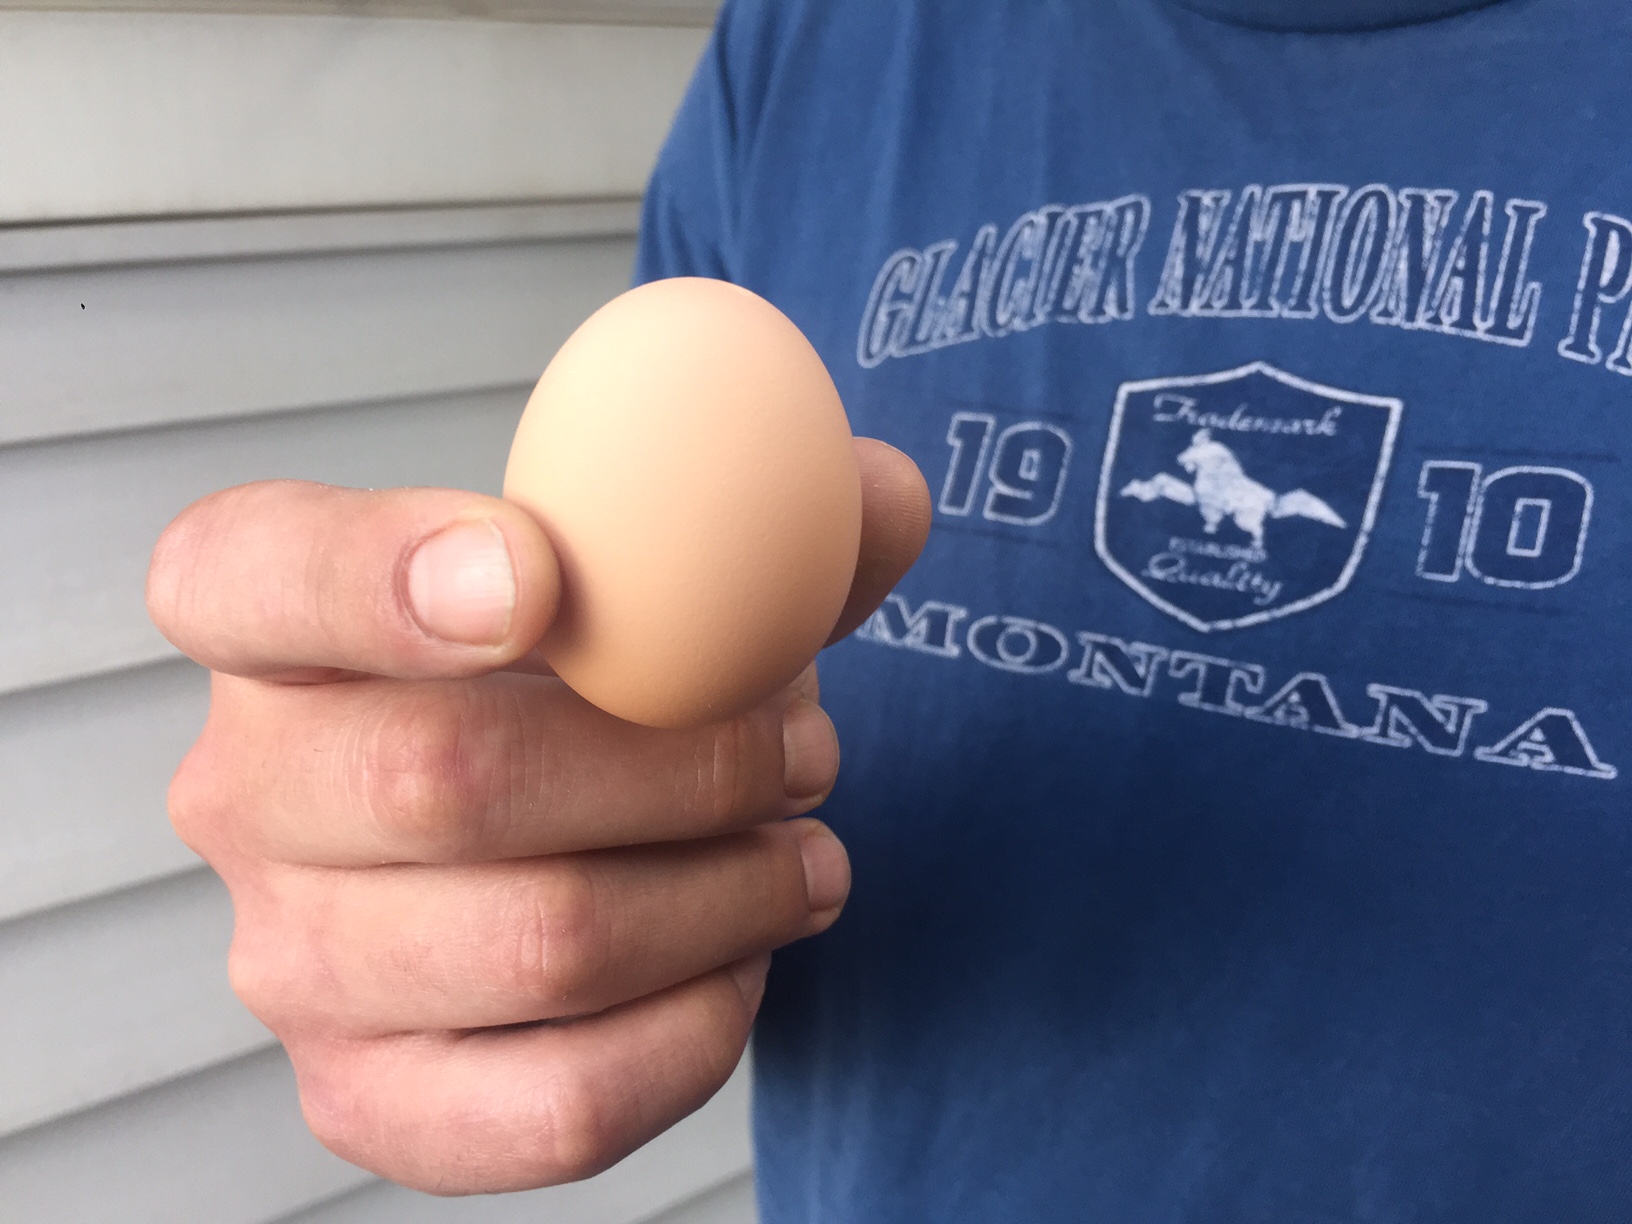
{"points": [[96, 505], [633, 12], [226, 1146], [144, 114], [116, 994], [729, 1203], [106, 348], [33, 248], [83, 772], [702, 1153]]}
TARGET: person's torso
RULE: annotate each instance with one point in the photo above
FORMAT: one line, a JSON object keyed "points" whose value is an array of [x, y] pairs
{"points": [[1237, 789]]}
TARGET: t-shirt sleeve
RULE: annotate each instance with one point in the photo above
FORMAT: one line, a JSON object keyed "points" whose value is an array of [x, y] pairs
{"points": [[688, 217]]}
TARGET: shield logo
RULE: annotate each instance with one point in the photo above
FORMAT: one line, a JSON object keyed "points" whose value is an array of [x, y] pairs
{"points": [[1231, 499]]}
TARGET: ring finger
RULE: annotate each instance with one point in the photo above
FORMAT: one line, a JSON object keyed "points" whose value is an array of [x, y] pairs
{"points": [[404, 947]]}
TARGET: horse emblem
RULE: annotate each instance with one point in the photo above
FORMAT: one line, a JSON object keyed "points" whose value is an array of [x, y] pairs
{"points": [[1240, 437], [1222, 489]]}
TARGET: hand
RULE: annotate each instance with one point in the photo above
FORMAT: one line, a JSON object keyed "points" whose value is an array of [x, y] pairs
{"points": [[505, 937]]}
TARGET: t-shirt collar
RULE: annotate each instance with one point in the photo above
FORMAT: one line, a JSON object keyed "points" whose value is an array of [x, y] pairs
{"points": [[1328, 15]]}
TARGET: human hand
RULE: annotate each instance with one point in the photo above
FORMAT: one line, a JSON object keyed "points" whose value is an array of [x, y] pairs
{"points": [[505, 937]]}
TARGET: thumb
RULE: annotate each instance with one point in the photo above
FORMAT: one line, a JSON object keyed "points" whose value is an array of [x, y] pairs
{"points": [[895, 517]]}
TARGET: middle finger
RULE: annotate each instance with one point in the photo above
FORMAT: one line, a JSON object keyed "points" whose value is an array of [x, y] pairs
{"points": [[504, 766]]}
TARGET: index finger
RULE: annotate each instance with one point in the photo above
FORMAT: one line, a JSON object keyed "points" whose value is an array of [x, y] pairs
{"points": [[292, 581], [289, 580]]}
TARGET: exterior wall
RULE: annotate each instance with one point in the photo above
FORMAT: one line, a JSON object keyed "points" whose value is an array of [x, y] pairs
{"points": [[236, 246]]}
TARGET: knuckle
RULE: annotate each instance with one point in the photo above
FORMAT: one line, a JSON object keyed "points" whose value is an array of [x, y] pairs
{"points": [[214, 799], [555, 947], [428, 789], [352, 1107], [334, 1099], [258, 979], [578, 1132], [274, 966], [195, 801]]}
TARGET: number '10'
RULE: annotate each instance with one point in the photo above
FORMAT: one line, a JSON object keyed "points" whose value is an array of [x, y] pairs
{"points": [[1518, 527], [1024, 476]]}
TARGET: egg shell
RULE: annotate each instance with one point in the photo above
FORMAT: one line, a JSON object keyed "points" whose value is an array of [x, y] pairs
{"points": [[689, 458]]}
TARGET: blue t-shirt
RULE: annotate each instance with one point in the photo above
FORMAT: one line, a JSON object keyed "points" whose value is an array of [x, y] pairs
{"points": [[1237, 790]]}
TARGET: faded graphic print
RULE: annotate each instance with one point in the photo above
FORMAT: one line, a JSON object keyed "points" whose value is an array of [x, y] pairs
{"points": [[1281, 483]]}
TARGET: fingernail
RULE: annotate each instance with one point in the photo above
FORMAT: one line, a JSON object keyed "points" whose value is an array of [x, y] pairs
{"points": [[749, 975], [461, 586], [827, 867], [810, 751]]}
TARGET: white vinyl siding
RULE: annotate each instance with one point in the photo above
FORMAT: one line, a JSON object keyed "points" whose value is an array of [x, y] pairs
{"points": [[236, 246], [138, 114]]}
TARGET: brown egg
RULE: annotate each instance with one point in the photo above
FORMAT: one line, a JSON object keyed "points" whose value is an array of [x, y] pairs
{"points": [[688, 456]]}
